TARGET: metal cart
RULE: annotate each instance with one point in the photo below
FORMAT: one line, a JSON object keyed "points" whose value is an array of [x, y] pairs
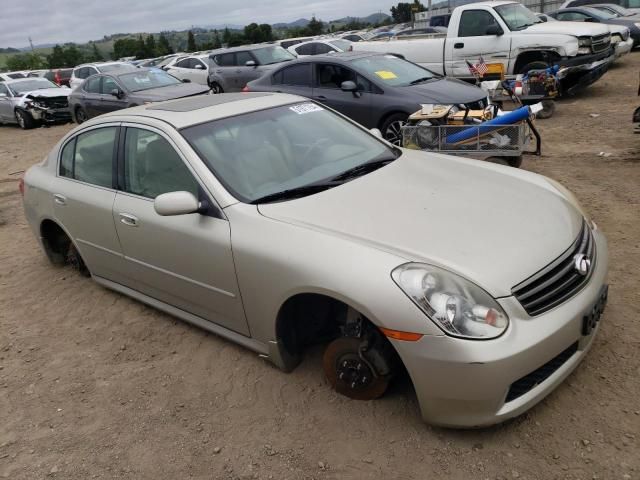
{"points": [[505, 144]]}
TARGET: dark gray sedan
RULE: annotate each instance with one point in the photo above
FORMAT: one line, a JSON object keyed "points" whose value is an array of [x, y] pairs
{"points": [[376, 90], [114, 91], [595, 15]]}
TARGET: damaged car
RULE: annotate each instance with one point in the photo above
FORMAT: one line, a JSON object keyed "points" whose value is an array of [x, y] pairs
{"points": [[31, 102]]}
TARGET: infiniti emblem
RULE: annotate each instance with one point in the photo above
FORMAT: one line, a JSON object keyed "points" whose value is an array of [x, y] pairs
{"points": [[581, 264]]}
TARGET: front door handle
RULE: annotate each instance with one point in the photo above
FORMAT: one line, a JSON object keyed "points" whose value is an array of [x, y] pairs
{"points": [[60, 199], [129, 220], [458, 45], [321, 97]]}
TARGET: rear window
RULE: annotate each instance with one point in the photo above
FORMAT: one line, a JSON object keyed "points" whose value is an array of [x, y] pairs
{"points": [[271, 55]]}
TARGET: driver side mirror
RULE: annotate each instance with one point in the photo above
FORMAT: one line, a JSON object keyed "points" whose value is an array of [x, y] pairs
{"points": [[176, 203], [199, 67], [116, 92], [350, 86], [591, 20], [250, 63], [376, 132], [494, 29]]}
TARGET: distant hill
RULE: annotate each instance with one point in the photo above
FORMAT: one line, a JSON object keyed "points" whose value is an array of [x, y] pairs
{"points": [[9, 50], [374, 18], [221, 27], [301, 22]]}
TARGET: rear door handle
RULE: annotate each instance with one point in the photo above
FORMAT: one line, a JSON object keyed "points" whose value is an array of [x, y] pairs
{"points": [[60, 199], [129, 220], [458, 45]]}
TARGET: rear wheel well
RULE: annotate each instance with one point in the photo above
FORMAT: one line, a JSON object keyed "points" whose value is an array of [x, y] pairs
{"points": [[55, 241], [526, 58]]}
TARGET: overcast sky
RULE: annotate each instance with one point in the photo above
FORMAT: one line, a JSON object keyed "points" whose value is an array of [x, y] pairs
{"points": [[59, 21]]}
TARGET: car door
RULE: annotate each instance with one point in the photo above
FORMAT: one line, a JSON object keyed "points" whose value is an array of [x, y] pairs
{"points": [[245, 74], [6, 105], [305, 50], [224, 68], [90, 94], [473, 42], [327, 83], [181, 69], [83, 194], [184, 260], [108, 101]]}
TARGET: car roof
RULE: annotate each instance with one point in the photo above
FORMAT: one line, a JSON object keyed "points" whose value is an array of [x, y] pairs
{"points": [[189, 111], [340, 57], [20, 80], [241, 48]]}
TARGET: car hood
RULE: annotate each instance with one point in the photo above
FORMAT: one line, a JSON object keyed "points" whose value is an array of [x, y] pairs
{"points": [[48, 93], [494, 225], [445, 91], [577, 29], [171, 92]]}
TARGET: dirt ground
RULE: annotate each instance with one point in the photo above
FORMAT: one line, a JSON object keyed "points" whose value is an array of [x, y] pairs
{"points": [[95, 385]]}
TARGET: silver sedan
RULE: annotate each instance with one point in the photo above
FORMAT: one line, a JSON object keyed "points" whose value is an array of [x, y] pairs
{"points": [[278, 224]]}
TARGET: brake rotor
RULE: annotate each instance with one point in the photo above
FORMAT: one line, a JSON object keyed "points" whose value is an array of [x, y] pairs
{"points": [[349, 373]]}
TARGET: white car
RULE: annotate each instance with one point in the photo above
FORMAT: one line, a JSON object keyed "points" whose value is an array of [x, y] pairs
{"points": [[194, 68], [84, 71], [11, 76], [321, 47]]}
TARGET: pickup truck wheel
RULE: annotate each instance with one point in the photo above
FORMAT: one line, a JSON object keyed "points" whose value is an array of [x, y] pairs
{"points": [[349, 373], [392, 128], [81, 115], [25, 120]]}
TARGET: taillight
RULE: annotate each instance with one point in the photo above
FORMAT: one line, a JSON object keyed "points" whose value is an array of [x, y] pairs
{"points": [[21, 186], [246, 89]]}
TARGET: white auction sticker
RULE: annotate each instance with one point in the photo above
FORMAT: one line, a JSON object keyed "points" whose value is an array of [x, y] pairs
{"points": [[306, 108]]}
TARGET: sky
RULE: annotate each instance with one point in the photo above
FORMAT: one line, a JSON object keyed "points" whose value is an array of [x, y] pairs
{"points": [[59, 21]]}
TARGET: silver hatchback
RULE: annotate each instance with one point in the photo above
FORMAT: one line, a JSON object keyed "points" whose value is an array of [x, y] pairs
{"points": [[277, 223]]}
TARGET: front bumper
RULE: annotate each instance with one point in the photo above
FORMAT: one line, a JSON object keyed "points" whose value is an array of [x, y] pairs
{"points": [[579, 72], [624, 47], [50, 115], [464, 383]]}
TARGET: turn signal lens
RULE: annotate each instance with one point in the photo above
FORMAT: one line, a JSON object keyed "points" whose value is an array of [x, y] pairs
{"points": [[397, 335]]}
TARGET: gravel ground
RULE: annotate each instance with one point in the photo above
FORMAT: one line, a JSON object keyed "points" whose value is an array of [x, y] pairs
{"points": [[95, 385]]}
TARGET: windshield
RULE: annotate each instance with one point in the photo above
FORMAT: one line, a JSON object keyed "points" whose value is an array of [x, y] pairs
{"points": [[271, 55], [270, 151], [112, 67], [19, 88], [144, 80], [516, 16], [392, 70], [341, 44]]}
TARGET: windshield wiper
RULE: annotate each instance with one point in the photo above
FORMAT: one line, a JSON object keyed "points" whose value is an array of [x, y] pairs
{"points": [[363, 169], [420, 80], [296, 192]]}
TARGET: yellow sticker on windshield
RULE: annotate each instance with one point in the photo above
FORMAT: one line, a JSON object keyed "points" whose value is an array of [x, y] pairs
{"points": [[386, 75]]}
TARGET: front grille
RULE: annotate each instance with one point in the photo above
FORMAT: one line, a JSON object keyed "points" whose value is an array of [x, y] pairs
{"points": [[53, 102], [528, 382], [558, 281], [600, 43]]}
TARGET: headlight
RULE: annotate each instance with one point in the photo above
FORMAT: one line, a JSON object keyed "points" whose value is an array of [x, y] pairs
{"points": [[456, 305], [571, 198], [615, 38], [584, 50], [584, 42]]}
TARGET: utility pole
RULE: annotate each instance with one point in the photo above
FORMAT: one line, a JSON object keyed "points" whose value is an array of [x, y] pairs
{"points": [[31, 43]]}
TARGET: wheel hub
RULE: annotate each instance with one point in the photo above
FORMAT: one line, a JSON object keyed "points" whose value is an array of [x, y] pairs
{"points": [[353, 372]]}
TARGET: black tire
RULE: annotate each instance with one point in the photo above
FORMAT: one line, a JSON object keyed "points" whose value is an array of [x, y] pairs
{"points": [[535, 65], [349, 374], [392, 128], [548, 109], [514, 162], [25, 120], [216, 88], [75, 260], [81, 115]]}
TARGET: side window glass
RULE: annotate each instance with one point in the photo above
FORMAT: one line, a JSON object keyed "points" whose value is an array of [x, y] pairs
{"points": [[108, 85], [305, 49], [299, 74], [332, 76], [3, 89], [242, 58], [93, 159], [66, 159], [474, 23], [364, 85], [323, 48], [226, 60], [92, 85], [80, 73], [184, 63], [152, 166]]}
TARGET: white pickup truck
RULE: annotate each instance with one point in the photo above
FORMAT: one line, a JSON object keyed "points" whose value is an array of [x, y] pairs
{"points": [[506, 32]]}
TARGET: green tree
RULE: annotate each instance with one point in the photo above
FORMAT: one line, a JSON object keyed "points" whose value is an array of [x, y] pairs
{"points": [[402, 12], [150, 46], [191, 42], [315, 27], [95, 55], [141, 48], [24, 61], [164, 48], [216, 40], [226, 36], [72, 55], [56, 58]]}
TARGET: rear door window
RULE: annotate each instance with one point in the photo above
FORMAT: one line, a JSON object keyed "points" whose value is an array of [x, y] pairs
{"points": [[331, 76], [307, 49], [109, 85], [243, 57], [89, 157], [226, 60], [323, 48]]}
